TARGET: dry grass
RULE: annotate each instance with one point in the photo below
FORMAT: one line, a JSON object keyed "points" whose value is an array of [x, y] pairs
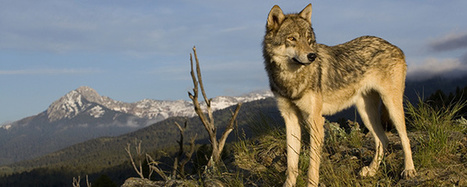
{"points": [[438, 140]]}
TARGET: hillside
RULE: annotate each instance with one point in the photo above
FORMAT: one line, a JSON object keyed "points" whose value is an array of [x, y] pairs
{"points": [[105, 152], [83, 114], [108, 151], [436, 127], [439, 154], [106, 155]]}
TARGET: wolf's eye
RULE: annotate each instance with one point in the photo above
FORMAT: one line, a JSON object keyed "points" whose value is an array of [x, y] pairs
{"points": [[291, 38]]}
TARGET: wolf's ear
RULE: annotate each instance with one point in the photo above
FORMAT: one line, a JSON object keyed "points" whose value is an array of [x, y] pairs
{"points": [[275, 18], [306, 13]]}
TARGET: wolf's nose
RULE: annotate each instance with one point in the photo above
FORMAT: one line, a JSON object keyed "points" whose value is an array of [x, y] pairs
{"points": [[311, 57]]}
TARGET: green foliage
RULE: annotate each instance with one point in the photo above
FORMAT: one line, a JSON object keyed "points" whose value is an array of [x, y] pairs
{"points": [[336, 136], [440, 131], [262, 156]]}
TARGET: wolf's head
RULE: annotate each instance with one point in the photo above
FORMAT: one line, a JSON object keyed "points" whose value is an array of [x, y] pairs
{"points": [[290, 37]]}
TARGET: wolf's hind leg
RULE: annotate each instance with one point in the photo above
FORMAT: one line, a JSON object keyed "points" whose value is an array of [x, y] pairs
{"points": [[367, 107], [396, 113]]}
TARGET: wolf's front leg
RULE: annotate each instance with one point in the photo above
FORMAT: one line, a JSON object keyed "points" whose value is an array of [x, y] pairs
{"points": [[291, 117], [316, 143], [311, 107], [293, 150]]}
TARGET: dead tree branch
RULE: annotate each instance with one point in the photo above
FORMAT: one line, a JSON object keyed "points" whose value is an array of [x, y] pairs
{"points": [[76, 182], [208, 121], [154, 166], [229, 128], [188, 156], [139, 168], [180, 162]]}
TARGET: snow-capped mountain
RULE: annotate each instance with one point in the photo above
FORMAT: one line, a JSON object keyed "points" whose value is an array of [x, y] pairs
{"points": [[81, 99], [83, 114], [221, 102]]}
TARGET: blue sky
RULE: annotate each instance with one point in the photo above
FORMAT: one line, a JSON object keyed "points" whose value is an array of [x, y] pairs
{"points": [[132, 50]]}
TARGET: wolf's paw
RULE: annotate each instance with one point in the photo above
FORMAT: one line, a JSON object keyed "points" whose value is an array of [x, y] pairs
{"points": [[367, 172], [408, 173]]}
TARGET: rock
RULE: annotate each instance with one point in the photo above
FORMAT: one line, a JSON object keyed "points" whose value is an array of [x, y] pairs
{"points": [[138, 182]]}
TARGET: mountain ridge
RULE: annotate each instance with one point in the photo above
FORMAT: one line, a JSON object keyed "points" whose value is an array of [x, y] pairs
{"points": [[84, 114], [105, 152]]}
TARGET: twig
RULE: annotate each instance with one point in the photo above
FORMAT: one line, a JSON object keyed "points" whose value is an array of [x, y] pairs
{"points": [[154, 166], [76, 182], [139, 170]]}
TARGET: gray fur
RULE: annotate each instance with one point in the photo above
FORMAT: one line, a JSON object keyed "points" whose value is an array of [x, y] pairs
{"points": [[310, 80]]}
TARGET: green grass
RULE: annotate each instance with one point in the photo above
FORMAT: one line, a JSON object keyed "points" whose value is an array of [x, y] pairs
{"points": [[439, 132]]}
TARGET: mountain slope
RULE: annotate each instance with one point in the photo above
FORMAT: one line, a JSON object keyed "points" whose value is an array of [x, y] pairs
{"points": [[83, 114], [105, 152], [36, 135]]}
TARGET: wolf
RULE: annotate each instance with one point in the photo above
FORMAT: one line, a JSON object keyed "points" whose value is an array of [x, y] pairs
{"points": [[310, 80]]}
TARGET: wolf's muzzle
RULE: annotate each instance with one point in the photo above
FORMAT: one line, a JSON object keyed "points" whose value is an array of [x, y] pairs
{"points": [[311, 57]]}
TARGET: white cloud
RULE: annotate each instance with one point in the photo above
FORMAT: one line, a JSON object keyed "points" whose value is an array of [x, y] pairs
{"points": [[69, 26], [433, 67], [451, 41], [132, 29]]}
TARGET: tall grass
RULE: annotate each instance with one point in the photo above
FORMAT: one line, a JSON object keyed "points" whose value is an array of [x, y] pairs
{"points": [[256, 157], [439, 131], [435, 132]]}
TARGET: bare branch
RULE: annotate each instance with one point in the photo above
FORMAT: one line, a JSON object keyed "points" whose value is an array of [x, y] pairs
{"points": [[179, 160], [180, 151], [229, 127], [195, 82], [200, 79], [88, 184], [175, 168], [180, 127], [154, 166], [188, 155], [180, 142], [139, 170], [234, 116], [208, 121], [76, 181]]}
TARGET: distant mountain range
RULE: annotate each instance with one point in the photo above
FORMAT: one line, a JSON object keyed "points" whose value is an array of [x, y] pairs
{"points": [[161, 137], [83, 114]]}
